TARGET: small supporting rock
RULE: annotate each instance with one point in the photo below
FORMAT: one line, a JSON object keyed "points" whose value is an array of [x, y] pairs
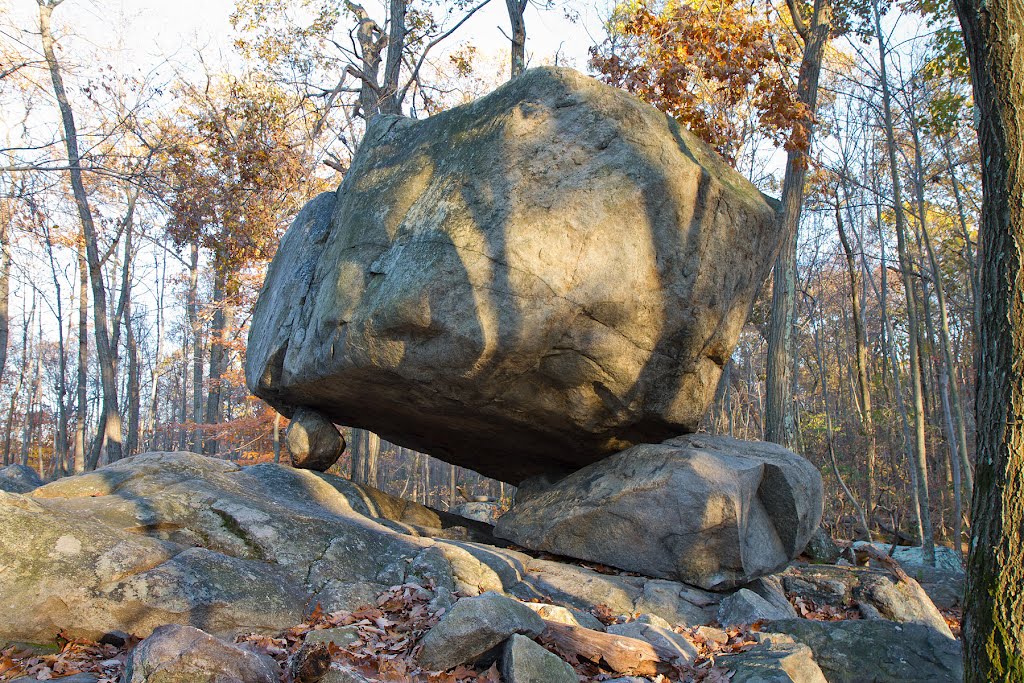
{"points": [[313, 440]]}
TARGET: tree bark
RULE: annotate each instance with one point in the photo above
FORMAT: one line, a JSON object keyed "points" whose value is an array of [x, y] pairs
{"points": [[516, 10], [104, 353], [994, 598], [780, 423]]}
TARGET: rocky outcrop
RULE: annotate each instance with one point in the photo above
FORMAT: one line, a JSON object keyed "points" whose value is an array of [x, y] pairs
{"points": [[860, 650], [18, 479], [181, 538], [313, 441], [707, 510], [877, 594], [522, 285]]}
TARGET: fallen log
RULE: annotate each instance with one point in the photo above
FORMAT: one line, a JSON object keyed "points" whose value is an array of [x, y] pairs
{"points": [[620, 654]]}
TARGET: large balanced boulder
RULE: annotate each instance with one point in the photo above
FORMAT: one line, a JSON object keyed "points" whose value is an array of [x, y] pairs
{"points": [[522, 285], [708, 510]]}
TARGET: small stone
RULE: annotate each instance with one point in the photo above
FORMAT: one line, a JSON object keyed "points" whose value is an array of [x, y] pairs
{"points": [[713, 635], [474, 628], [183, 654], [745, 607], [666, 642], [564, 615], [524, 661], [341, 636], [653, 620], [313, 440], [821, 548]]}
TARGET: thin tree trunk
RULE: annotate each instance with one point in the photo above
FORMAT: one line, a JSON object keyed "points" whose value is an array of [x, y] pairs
{"points": [[22, 368], [920, 450], [83, 360], [104, 353], [516, 10], [192, 312], [5, 290], [863, 384]]}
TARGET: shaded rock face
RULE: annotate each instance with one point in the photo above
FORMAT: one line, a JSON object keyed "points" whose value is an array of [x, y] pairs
{"points": [[711, 511], [181, 538], [522, 285]]}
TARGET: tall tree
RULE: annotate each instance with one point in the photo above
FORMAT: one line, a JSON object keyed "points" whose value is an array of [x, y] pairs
{"points": [[920, 460], [780, 425], [105, 354], [994, 601]]}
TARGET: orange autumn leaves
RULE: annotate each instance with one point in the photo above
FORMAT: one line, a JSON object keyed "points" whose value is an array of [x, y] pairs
{"points": [[724, 69]]}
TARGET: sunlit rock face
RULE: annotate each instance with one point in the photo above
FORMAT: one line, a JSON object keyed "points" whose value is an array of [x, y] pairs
{"points": [[522, 285]]}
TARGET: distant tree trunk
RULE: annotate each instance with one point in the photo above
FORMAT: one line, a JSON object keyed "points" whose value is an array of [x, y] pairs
{"points": [[277, 437], [83, 359], [34, 397], [192, 311], [867, 420], [372, 459], [780, 424], [5, 291], [920, 462], [223, 317], [104, 353], [154, 371], [22, 369], [516, 10], [994, 608]]}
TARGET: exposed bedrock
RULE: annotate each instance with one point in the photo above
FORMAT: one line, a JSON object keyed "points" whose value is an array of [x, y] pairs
{"points": [[522, 285]]}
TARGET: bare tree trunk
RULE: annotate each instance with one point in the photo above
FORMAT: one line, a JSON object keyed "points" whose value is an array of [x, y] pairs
{"points": [[192, 311], [390, 102], [154, 372], [223, 317], [516, 10], [104, 353], [994, 614], [920, 450], [372, 42], [23, 367], [83, 360], [780, 423], [5, 290], [277, 437], [867, 420]]}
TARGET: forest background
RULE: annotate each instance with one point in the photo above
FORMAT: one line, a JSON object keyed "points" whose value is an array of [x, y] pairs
{"points": [[150, 160]]}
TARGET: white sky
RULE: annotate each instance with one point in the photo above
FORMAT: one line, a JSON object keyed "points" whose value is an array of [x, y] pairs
{"points": [[144, 32]]}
